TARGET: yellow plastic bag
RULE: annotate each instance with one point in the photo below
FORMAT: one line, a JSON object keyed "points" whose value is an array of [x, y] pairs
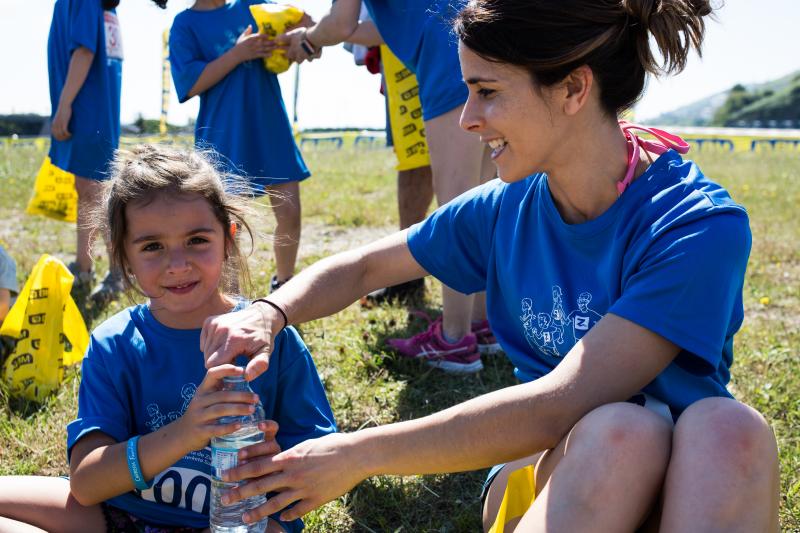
{"points": [[405, 113], [49, 331], [273, 19], [54, 194], [518, 497]]}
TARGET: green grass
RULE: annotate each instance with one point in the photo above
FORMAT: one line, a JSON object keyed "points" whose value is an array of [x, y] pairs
{"points": [[350, 200]]}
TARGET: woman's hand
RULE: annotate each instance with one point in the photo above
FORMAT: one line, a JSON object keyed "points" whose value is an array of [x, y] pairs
{"points": [[249, 332], [200, 421], [292, 40], [312, 473], [60, 126], [251, 45]]}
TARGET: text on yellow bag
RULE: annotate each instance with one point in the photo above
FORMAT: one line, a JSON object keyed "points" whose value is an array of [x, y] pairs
{"points": [[405, 113], [272, 20], [49, 331], [54, 194]]}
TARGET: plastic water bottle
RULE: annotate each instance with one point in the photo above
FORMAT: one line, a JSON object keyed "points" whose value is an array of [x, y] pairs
{"points": [[224, 450]]}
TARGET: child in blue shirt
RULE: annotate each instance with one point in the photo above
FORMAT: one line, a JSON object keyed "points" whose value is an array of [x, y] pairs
{"points": [[174, 233], [215, 54], [84, 62]]}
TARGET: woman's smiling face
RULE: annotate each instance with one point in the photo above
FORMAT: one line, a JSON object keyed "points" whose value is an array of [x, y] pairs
{"points": [[514, 117], [175, 247]]}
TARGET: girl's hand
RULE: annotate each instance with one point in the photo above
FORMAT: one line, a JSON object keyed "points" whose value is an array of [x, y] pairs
{"points": [[251, 45], [60, 126], [312, 473], [249, 331], [200, 421]]}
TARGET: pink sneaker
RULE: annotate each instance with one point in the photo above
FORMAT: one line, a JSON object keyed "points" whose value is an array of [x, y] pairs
{"points": [[461, 357], [487, 344]]}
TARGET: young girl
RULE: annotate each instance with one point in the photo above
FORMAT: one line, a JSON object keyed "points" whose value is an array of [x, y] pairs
{"points": [[613, 270], [84, 61], [146, 402], [215, 54]]}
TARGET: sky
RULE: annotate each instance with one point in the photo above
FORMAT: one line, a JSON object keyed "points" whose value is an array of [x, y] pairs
{"points": [[751, 41]]}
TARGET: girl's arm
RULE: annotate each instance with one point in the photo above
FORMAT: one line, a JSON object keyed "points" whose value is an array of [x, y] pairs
{"points": [[248, 46], [616, 359], [79, 65], [322, 289], [99, 466]]}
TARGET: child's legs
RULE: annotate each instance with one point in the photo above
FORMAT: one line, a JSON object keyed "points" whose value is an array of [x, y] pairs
{"points": [[287, 209], [414, 194], [456, 158], [604, 475], [723, 475], [45, 503], [88, 196]]}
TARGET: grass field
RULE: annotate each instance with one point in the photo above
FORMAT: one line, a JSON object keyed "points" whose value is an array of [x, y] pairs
{"points": [[350, 200]]}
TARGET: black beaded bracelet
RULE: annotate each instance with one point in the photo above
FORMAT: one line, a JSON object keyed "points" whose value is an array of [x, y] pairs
{"points": [[277, 307]]}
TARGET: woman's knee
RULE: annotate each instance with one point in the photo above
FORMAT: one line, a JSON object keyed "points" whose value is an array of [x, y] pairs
{"points": [[628, 432], [736, 432]]}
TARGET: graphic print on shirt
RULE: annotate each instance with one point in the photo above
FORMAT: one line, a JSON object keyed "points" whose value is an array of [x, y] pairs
{"points": [[113, 36], [546, 331], [158, 419], [187, 483], [583, 318]]}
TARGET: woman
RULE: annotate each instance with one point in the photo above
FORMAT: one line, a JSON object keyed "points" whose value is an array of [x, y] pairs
{"points": [[613, 271]]}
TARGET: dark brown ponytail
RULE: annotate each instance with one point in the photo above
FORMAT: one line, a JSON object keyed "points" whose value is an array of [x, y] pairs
{"points": [[550, 38]]}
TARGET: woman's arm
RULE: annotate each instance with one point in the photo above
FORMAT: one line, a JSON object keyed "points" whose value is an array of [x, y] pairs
{"points": [[248, 46], [79, 65], [616, 359], [333, 28], [366, 34], [98, 463], [322, 289]]}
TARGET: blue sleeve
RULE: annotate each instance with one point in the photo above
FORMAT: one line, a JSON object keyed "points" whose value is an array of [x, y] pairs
{"points": [[85, 19], [688, 288], [454, 243], [8, 272], [184, 57], [100, 406]]}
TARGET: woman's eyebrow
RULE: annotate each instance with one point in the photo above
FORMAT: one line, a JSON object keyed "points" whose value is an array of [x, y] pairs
{"points": [[478, 79]]}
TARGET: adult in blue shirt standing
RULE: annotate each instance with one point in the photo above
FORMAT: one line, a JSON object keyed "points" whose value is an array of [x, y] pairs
{"points": [[613, 270], [418, 33], [214, 54], [84, 61]]}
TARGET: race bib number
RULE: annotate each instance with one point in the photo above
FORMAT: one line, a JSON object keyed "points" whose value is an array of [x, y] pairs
{"points": [[113, 35]]}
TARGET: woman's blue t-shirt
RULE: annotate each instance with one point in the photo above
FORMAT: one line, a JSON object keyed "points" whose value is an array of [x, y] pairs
{"points": [[95, 111], [242, 117], [139, 375], [669, 255]]}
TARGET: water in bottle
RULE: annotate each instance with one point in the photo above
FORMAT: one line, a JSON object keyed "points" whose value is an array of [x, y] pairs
{"points": [[228, 518]]}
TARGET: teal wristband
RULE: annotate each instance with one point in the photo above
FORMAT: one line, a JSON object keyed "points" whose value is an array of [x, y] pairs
{"points": [[135, 469]]}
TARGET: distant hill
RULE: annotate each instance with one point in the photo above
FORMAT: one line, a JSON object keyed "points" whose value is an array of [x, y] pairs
{"points": [[772, 104]]}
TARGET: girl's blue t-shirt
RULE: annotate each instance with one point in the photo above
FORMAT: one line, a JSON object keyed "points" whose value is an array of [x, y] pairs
{"points": [[139, 375], [669, 255], [95, 111], [242, 117]]}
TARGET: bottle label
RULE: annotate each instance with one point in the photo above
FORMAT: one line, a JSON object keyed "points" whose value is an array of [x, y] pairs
{"points": [[223, 459]]}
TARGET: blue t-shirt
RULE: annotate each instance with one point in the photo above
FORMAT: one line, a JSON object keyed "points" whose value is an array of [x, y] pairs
{"points": [[139, 375], [669, 254], [242, 117], [95, 111], [419, 33]]}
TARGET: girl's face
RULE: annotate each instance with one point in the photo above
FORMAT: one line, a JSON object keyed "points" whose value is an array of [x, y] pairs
{"points": [[519, 123], [175, 248]]}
